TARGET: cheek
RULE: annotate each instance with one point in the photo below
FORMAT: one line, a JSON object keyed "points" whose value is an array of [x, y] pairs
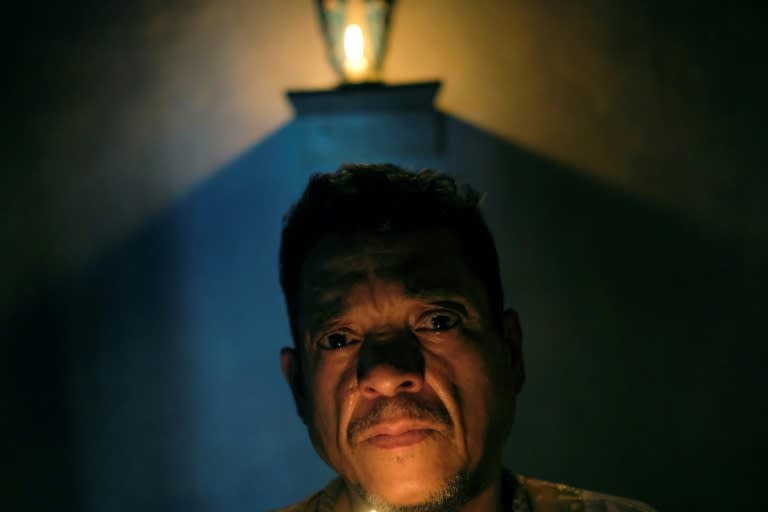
{"points": [[330, 392], [477, 395], [475, 379]]}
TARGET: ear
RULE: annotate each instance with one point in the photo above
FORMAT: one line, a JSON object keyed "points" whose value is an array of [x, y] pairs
{"points": [[290, 362], [513, 339]]}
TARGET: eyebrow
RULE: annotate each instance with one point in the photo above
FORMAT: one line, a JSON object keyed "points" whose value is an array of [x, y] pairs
{"points": [[324, 313], [436, 295]]}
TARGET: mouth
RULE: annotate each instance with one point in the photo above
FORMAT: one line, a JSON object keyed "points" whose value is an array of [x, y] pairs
{"points": [[397, 434], [407, 438]]}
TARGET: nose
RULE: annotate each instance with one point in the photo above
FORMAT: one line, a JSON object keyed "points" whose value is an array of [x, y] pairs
{"points": [[388, 367]]}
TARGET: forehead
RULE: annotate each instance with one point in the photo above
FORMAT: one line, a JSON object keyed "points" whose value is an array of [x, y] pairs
{"points": [[423, 262]]}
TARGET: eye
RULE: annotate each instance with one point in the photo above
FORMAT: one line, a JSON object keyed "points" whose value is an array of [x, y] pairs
{"points": [[336, 340], [438, 321]]}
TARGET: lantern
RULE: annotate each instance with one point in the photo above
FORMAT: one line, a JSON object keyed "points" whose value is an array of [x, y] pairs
{"points": [[355, 33]]}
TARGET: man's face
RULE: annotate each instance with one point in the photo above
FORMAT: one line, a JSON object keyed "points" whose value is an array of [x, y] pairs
{"points": [[405, 384]]}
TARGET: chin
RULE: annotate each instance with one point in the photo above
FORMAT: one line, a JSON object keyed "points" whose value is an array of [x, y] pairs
{"points": [[448, 494], [404, 492], [407, 482]]}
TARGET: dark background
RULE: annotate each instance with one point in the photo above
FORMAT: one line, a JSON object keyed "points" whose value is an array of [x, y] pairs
{"points": [[141, 312]]}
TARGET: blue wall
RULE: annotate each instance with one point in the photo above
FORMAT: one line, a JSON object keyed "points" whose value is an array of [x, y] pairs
{"points": [[151, 381]]}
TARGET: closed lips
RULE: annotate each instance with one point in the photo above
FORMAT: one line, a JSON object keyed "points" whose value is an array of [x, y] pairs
{"points": [[396, 428]]}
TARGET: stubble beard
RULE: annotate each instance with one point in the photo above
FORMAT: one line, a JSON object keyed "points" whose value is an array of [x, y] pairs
{"points": [[455, 493]]}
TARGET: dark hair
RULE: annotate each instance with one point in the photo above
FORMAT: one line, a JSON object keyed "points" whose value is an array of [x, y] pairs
{"points": [[383, 198]]}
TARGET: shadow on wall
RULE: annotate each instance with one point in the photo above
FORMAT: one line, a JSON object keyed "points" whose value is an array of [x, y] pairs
{"points": [[150, 380]]}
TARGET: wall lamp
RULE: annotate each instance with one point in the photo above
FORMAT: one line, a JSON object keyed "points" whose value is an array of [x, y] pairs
{"points": [[355, 33]]}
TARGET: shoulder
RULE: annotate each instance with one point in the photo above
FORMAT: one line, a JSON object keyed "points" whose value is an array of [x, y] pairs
{"points": [[543, 496], [322, 501]]}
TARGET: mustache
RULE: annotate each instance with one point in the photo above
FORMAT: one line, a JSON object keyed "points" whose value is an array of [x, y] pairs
{"points": [[399, 407]]}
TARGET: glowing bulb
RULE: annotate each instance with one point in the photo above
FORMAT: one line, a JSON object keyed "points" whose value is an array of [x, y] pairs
{"points": [[355, 63], [353, 42]]}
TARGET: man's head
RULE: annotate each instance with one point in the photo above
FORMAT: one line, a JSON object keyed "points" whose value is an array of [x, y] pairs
{"points": [[405, 367]]}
